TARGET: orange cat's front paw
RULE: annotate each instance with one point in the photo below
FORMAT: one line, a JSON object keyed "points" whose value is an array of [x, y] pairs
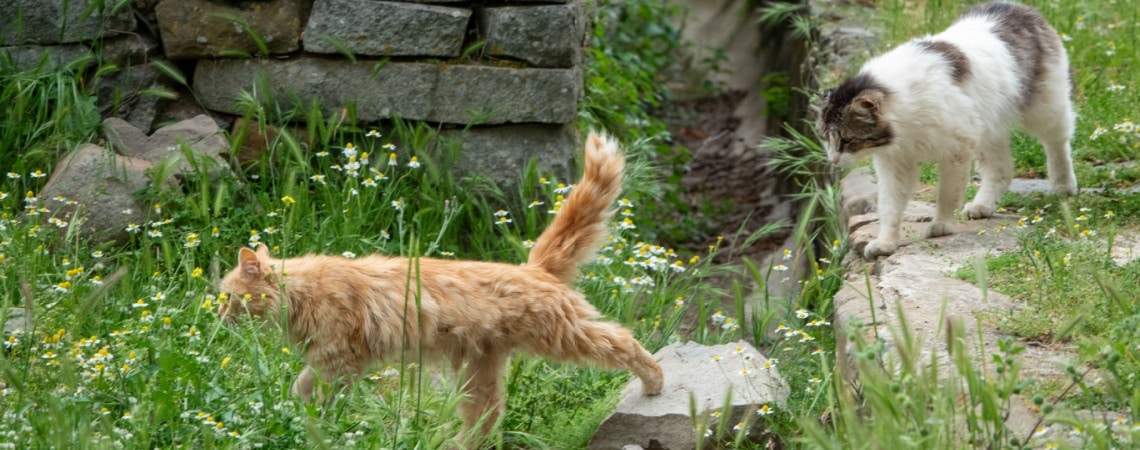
{"points": [[303, 387]]}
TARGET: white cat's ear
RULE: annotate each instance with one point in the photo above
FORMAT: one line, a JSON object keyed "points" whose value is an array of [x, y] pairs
{"points": [[249, 262], [868, 101]]}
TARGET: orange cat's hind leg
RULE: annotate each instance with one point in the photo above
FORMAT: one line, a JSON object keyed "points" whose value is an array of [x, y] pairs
{"points": [[483, 388], [610, 346]]}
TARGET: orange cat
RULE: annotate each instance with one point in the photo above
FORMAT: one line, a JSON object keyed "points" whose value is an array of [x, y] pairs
{"points": [[352, 313]]}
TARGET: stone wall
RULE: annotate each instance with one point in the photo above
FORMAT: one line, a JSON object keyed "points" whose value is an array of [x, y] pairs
{"points": [[511, 68]]}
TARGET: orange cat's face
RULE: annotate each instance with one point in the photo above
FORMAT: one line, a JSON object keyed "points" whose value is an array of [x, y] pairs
{"points": [[250, 287]]}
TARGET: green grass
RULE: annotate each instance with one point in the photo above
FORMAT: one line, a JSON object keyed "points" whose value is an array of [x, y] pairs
{"points": [[1073, 295], [46, 112], [125, 339], [124, 348]]}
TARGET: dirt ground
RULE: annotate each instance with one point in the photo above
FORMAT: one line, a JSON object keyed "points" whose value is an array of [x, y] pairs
{"points": [[726, 180]]}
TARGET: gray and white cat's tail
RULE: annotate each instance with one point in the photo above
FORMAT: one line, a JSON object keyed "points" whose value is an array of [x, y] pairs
{"points": [[579, 227]]}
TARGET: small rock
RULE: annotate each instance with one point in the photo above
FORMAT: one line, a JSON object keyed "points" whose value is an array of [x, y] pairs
{"points": [[369, 27], [692, 375], [15, 321]]}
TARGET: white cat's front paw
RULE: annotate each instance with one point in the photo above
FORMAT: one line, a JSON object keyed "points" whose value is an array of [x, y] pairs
{"points": [[976, 210], [939, 229], [1065, 189], [879, 247]]}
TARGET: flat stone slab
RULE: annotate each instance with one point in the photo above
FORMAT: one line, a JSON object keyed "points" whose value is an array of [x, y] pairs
{"points": [[488, 95], [202, 28], [61, 21], [1126, 247], [916, 285], [53, 57], [1029, 186], [543, 36], [695, 373], [376, 28], [403, 89], [503, 152], [413, 91]]}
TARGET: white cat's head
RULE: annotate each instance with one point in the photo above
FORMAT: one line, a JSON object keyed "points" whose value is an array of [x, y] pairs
{"points": [[251, 287], [851, 121]]}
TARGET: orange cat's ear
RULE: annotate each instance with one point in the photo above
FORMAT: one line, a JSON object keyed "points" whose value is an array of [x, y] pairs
{"points": [[263, 252], [249, 262]]}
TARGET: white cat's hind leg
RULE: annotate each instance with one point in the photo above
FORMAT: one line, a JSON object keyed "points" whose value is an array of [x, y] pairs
{"points": [[952, 178], [995, 165], [1050, 120]]}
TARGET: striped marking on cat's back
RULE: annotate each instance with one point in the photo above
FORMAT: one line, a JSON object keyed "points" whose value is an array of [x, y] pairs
{"points": [[1028, 37], [952, 55]]}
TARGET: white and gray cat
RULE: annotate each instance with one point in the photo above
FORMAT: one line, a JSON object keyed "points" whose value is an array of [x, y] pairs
{"points": [[952, 98]]}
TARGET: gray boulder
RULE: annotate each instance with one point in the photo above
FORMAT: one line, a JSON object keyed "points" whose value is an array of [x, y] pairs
{"points": [[98, 188], [368, 27], [195, 144], [706, 376]]}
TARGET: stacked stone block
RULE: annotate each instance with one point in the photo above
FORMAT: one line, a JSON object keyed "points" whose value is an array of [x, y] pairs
{"points": [[508, 72]]}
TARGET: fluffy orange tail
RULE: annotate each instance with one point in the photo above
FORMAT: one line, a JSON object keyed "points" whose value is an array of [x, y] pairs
{"points": [[580, 225]]}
